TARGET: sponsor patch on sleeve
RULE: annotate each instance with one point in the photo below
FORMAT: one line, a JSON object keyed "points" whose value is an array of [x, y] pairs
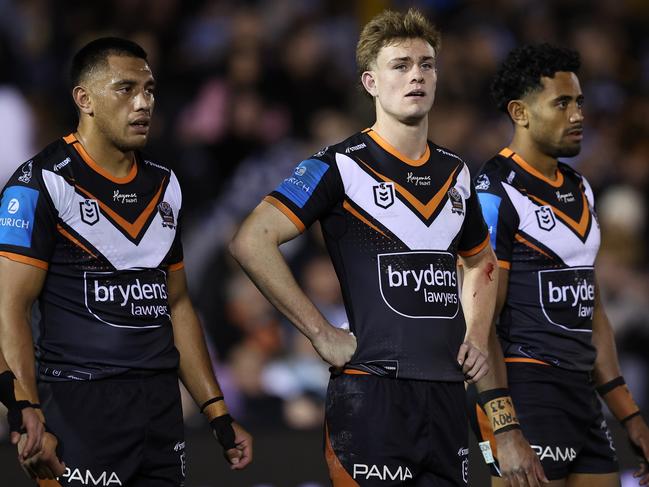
{"points": [[17, 210], [305, 178], [490, 206]]}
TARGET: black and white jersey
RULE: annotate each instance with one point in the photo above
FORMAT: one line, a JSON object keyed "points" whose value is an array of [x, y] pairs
{"points": [[107, 244], [393, 227], [546, 233]]}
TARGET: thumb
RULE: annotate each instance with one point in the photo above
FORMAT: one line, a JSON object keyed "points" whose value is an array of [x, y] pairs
{"points": [[233, 455], [15, 437]]}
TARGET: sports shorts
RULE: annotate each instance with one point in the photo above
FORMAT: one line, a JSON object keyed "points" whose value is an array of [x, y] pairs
{"points": [[126, 430], [382, 431], [561, 417]]}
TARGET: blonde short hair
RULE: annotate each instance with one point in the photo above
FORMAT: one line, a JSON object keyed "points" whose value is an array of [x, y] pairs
{"points": [[389, 27]]}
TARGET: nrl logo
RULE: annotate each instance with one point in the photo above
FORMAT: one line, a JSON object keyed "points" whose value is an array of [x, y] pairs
{"points": [[89, 211], [545, 218], [384, 195]]}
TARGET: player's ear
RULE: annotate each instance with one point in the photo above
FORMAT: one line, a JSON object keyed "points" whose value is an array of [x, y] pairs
{"points": [[518, 112], [369, 83], [82, 99]]}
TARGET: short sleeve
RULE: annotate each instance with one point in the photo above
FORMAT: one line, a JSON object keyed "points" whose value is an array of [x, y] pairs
{"points": [[309, 193], [500, 216], [474, 233], [27, 218]]}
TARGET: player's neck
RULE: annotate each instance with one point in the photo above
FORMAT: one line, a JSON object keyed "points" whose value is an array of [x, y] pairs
{"points": [[104, 153], [545, 164], [409, 140]]}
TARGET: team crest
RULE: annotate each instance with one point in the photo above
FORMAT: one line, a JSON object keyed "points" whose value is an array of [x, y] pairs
{"points": [[545, 217], [457, 206], [26, 175], [167, 215], [89, 211], [482, 183], [384, 195]]}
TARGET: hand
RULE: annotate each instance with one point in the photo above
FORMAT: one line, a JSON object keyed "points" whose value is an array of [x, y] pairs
{"points": [[519, 464], [44, 464], [639, 436], [34, 428], [473, 360], [336, 346], [240, 456]]}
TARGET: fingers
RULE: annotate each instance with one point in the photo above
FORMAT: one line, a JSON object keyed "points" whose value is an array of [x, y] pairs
{"points": [[15, 438], [245, 457], [461, 354], [28, 447], [475, 365], [538, 470]]}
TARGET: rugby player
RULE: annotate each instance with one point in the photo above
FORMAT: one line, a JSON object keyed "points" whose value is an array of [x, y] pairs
{"points": [[36, 447], [396, 210], [90, 228], [558, 344]]}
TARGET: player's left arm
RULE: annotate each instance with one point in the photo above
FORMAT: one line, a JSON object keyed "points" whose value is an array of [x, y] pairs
{"points": [[198, 377], [612, 388], [479, 291]]}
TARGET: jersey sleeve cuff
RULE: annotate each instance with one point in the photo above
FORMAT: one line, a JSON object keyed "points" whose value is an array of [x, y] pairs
{"points": [[41, 264], [504, 264], [177, 266], [287, 212], [475, 250]]}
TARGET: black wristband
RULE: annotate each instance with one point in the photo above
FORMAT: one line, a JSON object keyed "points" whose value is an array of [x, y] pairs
{"points": [[222, 427], [486, 396], [211, 401], [630, 416], [610, 385], [7, 393], [15, 416]]}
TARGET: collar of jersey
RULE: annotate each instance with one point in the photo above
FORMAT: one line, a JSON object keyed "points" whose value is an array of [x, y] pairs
{"points": [[71, 139], [527, 167], [385, 145]]}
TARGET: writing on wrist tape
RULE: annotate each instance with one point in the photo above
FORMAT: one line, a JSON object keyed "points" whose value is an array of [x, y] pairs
{"points": [[499, 408], [619, 400]]}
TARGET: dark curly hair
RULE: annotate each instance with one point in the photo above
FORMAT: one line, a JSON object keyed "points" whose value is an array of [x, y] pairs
{"points": [[520, 74]]}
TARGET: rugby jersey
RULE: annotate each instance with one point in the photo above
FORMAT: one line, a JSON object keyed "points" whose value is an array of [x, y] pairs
{"points": [[393, 227], [107, 244], [546, 233]]}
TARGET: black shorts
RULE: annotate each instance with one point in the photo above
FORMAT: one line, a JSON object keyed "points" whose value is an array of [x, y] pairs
{"points": [[382, 431], [118, 431], [561, 417]]}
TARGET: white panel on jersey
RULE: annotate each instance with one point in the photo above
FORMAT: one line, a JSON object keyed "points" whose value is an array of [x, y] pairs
{"points": [[399, 218], [550, 230], [105, 236]]}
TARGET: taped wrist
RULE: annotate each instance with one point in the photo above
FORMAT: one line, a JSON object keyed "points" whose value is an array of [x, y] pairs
{"points": [[499, 408], [619, 400], [213, 408], [222, 427], [8, 398]]}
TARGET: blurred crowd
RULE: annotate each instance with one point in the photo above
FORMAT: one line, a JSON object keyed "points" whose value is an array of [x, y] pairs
{"points": [[247, 89]]}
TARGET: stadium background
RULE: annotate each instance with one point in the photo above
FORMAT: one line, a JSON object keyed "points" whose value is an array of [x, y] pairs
{"points": [[247, 89]]}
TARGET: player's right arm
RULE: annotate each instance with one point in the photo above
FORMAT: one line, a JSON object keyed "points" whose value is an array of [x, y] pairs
{"points": [[256, 248]]}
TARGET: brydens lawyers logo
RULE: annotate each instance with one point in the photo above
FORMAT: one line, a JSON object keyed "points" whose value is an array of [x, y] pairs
{"points": [[89, 211], [167, 215], [384, 195]]}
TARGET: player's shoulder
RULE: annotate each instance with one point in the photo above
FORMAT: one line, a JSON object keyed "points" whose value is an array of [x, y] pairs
{"points": [[353, 144], [444, 154], [493, 173], [53, 157]]}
